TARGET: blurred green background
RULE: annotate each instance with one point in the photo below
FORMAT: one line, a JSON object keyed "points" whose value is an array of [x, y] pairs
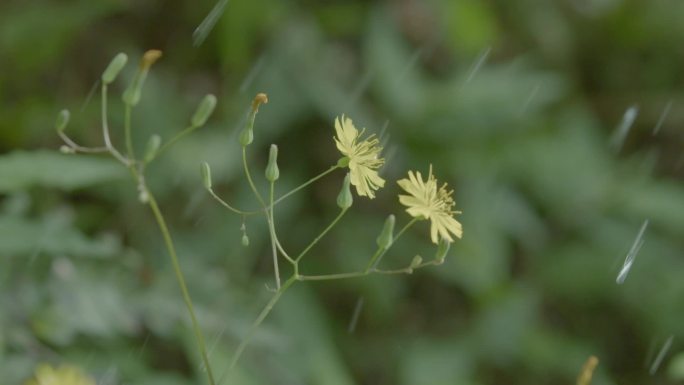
{"points": [[517, 104]]}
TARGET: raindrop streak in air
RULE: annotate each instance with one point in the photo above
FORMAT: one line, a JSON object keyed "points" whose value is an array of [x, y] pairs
{"points": [[358, 90], [478, 64], [629, 259], [529, 99], [355, 316], [661, 355], [202, 31], [662, 118], [91, 93], [413, 60], [623, 129], [253, 72]]}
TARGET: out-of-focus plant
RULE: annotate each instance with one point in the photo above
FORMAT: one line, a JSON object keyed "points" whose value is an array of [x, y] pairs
{"points": [[361, 156]]}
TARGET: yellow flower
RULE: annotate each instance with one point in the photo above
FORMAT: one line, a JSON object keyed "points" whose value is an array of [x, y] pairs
{"points": [[64, 375], [427, 201], [363, 156]]}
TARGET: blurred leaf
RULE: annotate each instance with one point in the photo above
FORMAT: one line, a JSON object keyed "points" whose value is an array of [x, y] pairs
{"points": [[21, 170], [23, 237]]}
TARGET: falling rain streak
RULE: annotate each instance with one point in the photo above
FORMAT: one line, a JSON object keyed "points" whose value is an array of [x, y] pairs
{"points": [[251, 75], [622, 130], [661, 355], [202, 31], [662, 118], [478, 64], [355, 316], [629, 259]]}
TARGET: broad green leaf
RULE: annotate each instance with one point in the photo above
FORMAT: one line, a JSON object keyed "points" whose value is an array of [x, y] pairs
{"points": [[21, 170]]}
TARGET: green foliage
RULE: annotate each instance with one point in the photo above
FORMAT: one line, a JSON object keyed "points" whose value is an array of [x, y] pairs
{"points": [[549, 208]]}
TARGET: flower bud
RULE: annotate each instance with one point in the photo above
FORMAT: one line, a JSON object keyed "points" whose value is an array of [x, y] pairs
{"points": [[64, 149], [62, 120], [245, 240], [345, 199], [246, 137], [415, 262], [247, 134], [114, 68], [206, 175], [272, 172], [386, 237], [132, 94], [204, 111], [442, 250], [152, 147]]}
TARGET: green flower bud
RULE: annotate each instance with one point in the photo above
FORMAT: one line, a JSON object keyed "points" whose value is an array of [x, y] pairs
{"points": [[272, 172], [442, 250], [204, 111], [345, 199], [64, 149], [386, 237], [206, 175], [62, 120], [115, 66], [245, 240], [153, 145], [246, 137], [415, 262], [132, 94]]}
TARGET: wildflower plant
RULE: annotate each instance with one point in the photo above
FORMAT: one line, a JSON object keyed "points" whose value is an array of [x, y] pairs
{"points": [[361, 158]]}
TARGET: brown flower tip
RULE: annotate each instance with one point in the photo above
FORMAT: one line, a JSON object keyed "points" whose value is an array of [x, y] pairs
{"points": [[258, 99], [149, 58]]}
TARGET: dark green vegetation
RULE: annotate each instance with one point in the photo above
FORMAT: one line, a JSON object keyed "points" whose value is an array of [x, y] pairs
{"points": [[551, 205]]}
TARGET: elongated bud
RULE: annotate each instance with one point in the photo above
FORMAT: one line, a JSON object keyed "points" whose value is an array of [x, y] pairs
{"points": [[247, 134], [204, 111], [152, 147], [206, 175], [245, 240], [246, 137], [386, 237], [114, 68], [415, 262], [62, 120], [345, 199], [272, 172], [132, 94], [442, 250]]}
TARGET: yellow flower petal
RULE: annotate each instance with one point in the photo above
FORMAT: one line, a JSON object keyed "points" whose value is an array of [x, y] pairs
{"points": [[428, 201], [363, 154]]}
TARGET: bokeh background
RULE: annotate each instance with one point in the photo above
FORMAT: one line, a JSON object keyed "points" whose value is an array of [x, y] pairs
{"points": [[558, 124]]}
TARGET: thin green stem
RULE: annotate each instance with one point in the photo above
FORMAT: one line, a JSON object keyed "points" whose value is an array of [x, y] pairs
{"points": [[271, 228], [378, 253], [317, 177], [181, 282], [265, 208], [249, 177], [127, 131], [255, 325], [328, 277], [318, 238], [174, 139], [229, 207], [105, 131]]}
